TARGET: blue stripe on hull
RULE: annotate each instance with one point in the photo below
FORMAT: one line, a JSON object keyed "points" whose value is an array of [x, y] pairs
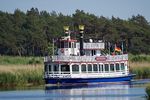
{"points": [[87, 80]]}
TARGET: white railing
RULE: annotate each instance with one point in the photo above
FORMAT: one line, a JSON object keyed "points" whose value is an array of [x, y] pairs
{"points": [[85, 75], [86, 58], [57, 75], [91, 45]]}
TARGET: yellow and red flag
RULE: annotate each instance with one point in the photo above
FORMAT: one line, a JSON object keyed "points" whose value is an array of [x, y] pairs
{"points": [[117, 48]]}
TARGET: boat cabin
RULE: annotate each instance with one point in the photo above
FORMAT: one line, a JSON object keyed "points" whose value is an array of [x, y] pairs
{"points": [[85, 61]]}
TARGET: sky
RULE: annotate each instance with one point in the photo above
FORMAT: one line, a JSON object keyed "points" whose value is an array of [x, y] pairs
{"points": [[123, 9]]}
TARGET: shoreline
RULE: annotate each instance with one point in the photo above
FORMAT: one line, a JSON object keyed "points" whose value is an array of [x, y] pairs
{"points": [[20, 74]]}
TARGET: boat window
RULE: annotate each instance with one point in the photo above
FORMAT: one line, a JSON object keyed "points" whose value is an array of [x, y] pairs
{"points": [[93, 52], [117, 67], [95, 67], [89, 68], [50, 69], [74, 45], [56, 67], [100, 68], [66, 44], [65, 68], [45, 68], [112, 67], [70, 45], [62, 44], [122, 66], [83, 68], [106, 67], [75, 68]]}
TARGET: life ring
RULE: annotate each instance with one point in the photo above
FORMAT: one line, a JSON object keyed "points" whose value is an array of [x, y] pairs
{"points": [[62, 50]]}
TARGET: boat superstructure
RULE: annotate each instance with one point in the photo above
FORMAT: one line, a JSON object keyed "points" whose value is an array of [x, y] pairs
{"points": [[84, 62]]}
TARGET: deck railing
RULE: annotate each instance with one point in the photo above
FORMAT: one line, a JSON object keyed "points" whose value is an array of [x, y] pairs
{"points": [[85, 74], [86, 58]]}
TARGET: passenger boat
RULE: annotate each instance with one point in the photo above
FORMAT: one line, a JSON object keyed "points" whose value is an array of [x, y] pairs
{"points": [[84, 62]]}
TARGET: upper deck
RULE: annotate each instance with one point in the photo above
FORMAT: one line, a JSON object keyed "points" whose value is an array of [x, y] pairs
{"points": [[86, 59]]}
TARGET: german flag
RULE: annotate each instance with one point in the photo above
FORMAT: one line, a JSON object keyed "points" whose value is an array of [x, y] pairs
{"points": [[117, 49]]}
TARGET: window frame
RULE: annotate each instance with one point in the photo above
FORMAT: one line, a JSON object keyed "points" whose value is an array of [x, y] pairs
{"points": [[75, 71], [89, 67], [83, 71]]}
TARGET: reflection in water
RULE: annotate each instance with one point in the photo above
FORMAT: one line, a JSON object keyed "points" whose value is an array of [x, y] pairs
{"points": [[111, 91], [94, 92]]}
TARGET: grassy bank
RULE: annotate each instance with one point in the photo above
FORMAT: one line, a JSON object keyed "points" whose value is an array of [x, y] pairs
{"points": [[17, 60], [20, 71], [140, 65], [141, 69], [20, 75], [139, 58]]}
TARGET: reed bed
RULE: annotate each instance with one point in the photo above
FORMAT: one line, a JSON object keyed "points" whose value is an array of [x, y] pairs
{"points": [[141, 69], [17, 60], [20, 75], [140, 65], [139, 58]]}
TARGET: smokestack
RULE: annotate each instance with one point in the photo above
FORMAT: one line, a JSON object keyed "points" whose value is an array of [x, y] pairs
{"points": [[66, 30], [81, 29]]}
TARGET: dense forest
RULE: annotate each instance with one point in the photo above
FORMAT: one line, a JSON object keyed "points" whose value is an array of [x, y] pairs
{"points": [[31, 33]]}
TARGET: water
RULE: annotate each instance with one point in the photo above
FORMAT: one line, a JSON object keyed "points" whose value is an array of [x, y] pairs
{"points": [[128, 91]]}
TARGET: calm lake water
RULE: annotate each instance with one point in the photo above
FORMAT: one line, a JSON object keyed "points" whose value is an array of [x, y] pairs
{"points": [[121, 91]]}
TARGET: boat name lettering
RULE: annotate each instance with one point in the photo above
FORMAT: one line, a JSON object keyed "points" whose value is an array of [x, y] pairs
{"points": [[100, 58]]}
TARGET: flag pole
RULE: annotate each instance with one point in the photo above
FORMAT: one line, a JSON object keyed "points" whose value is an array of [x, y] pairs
{"points": [[53, 47], [122, 47], [109, 47], [115, 49]]}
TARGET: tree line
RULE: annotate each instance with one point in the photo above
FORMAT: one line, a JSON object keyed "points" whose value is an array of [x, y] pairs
{"points": [[30, 33]]}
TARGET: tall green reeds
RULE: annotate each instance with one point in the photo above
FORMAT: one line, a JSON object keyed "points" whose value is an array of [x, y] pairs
{"points": [[141, 72], [139, 58], [20, 71], [21, 77], [17, 60], [140, 65]]}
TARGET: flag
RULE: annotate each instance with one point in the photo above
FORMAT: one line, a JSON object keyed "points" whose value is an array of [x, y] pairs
{"points": [[117, 48]]}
